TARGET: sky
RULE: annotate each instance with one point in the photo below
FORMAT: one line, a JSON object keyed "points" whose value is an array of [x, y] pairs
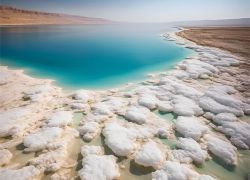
{"points": [[142, 10]]}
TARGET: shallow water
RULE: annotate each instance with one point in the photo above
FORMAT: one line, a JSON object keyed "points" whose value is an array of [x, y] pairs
{"points": [[217, 168], [90, 56]]}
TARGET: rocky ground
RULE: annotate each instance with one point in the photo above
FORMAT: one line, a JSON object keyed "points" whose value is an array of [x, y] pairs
{"points": [[204, 93]]}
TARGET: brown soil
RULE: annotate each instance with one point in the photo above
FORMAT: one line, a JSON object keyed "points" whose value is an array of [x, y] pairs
{"points": [[233, 39], [13, 16]]}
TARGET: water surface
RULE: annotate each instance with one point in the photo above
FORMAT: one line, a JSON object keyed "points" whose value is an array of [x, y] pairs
{"points": [[93, 56]]}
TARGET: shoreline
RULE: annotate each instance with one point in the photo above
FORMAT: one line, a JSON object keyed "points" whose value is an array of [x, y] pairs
{"points": [[186, 90]]}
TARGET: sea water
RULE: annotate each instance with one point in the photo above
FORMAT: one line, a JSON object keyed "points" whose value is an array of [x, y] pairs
{"points": [[90, 56]]}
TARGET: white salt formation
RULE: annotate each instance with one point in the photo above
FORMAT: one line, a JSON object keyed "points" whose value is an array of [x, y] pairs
{"points": [[84, 96], [41, 139], [98, 166], [122, 140], [25, 173], [150, 155], [189, 150], [222, 149], [176, 171], [190, 127], [60, 119], [137, 114]]}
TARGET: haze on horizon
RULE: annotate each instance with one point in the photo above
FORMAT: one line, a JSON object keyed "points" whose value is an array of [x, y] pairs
{"points": [[141, 10]]}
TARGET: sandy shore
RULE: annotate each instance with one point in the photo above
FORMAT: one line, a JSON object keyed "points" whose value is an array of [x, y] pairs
{"points": [[165, 126]]}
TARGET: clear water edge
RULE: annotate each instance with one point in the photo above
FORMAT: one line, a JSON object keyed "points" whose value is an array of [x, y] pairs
{"points": [[137, 72]]}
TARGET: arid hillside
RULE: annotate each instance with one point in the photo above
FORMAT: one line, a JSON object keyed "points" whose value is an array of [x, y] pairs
{"points": [[14, 16]]}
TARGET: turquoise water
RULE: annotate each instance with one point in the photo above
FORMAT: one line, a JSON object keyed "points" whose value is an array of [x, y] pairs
{"points": [[93, 56]]}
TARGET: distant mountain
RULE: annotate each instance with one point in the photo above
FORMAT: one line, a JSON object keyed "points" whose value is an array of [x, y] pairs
{"points": [[243, 22], [14, 16]]}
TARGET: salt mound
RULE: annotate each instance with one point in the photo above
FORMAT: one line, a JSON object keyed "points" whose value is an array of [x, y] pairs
{"points": [[164, 106], [60, 119], [99, 167], [39, 92], [83, 95], [57, 156], [137, 114], [87, 150], [40, 140], [176, 171], [150, 155], [224, 117], [148, 100], [89, 130], [222, 149], [190, 127], [25, 173], [185, 107], [122, 140], [217, 99], [189, 150], [13, 121], [239, 133]]}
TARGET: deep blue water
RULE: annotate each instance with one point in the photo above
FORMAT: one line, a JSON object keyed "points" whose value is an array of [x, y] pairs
{"points": [[96, 56]]}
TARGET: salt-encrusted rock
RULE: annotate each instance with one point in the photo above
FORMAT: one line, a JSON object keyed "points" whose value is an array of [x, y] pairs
{"points": [[197, 69], [180, 74], [38, 92], [94, 118], [224, 117], [222, 149], [150, 155], [83, 95], [190, 127], [87, 150], [13, 121], [115, 104], [221, 93], [224, 62], [60, 119], [176, 171], [246, 109], [40, 140], [121, 140], [80, 106], [101, 109], [137, 114], [89, 130], [5, 156], [177, 87], [238, 131], [58, 156], [99, 167], [25, 173], [50, 161], [188, 150], [209, 104], [185, 107], [164, 106], [208, 115], [148, 100], [217, 100]]}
